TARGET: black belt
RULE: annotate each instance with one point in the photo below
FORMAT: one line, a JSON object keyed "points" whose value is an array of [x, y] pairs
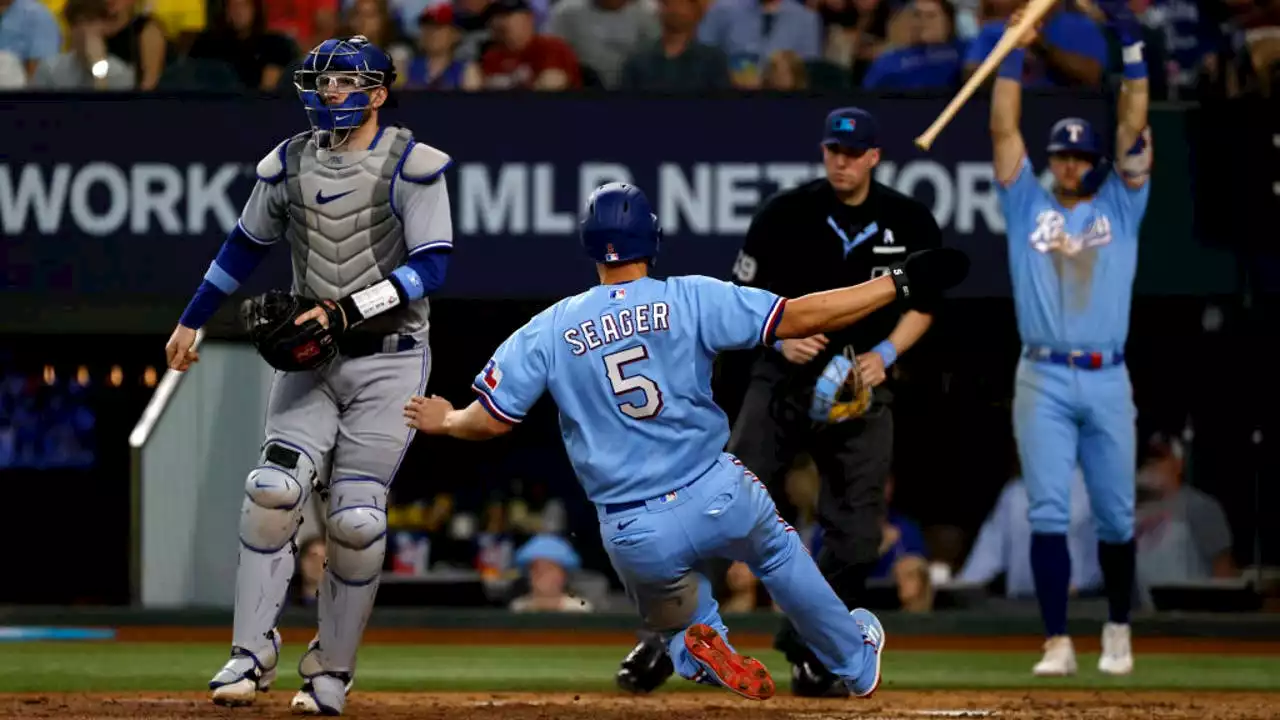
{"points": [[364, 345], [1080, 359], [615, 508]]}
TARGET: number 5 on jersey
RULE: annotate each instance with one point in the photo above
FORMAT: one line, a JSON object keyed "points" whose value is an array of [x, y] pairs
{"points": [[614, 364]]}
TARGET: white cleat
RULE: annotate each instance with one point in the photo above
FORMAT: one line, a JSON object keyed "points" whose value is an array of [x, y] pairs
{"points": [[1117, 650], [1059, 658], [244, 676]]}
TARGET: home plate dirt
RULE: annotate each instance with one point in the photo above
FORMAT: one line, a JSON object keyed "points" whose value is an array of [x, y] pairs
{"points": [[1011, 705]]}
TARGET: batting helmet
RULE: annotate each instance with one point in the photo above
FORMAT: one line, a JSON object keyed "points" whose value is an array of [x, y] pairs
{"points": [[1074, 135], [619, 226], [348, 67]]}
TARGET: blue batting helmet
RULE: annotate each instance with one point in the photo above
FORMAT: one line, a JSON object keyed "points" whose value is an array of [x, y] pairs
{"points": [[349, 67], [618, 225], [1074, 135]]}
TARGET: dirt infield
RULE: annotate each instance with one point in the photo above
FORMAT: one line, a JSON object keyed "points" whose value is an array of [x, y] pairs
{"points": [[420, 636], [1038, 705]]}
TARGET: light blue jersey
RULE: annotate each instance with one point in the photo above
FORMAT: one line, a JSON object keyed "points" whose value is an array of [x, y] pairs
{"points": [[629, 366], [1072, 270]]}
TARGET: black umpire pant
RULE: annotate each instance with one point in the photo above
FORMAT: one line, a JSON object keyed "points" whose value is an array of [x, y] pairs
{"points": [[853, 459]]}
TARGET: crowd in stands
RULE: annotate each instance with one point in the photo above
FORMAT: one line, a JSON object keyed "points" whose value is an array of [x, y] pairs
{"points": [[1209, 48]]}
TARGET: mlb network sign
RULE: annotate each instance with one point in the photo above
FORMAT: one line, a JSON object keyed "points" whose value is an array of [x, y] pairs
{"points": [[160, 196]]}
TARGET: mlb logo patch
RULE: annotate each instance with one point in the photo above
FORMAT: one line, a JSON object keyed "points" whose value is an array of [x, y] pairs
{"points": [[668, 497], [618, 294], [844, 124], [610, 255], [492, 375]]}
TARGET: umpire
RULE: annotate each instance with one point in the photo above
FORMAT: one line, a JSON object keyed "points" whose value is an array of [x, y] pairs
{"points": [[840, 230]]}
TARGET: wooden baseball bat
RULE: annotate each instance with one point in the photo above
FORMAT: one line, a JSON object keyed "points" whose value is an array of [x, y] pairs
{"points": [[1032, 13]]}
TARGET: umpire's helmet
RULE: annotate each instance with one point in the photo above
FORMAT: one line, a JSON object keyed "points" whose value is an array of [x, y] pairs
{"points": [[618, 225], [1075, 136], [352, 66]]}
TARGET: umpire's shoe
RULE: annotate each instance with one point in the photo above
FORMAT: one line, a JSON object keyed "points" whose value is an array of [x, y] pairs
{"points": [[646, 667], [245, 675]]}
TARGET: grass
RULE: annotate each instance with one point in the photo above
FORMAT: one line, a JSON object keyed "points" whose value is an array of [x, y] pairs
{"points": [[108, 666]]}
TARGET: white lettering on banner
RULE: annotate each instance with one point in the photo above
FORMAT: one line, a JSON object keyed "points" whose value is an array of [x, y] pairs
{"points": [[484, 210], [970, 200], [737, 197], [592, 175], [973, 183], [680, 202], [136, 194], [546, 221]]}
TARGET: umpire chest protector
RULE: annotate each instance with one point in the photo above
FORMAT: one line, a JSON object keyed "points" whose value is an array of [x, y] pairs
{"points": [[344, 228]]}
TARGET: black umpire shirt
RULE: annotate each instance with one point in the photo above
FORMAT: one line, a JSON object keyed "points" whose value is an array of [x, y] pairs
{"points": [[806, 240]]}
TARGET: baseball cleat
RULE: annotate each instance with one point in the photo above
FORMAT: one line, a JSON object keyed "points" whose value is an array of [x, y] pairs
{"points": [[244, 676], [740, 674], [865, 685], [1117, 650], [322, 695], [1059, 658]]}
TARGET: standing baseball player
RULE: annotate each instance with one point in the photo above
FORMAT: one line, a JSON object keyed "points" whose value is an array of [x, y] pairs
{"points": [[629, 363], [1073, 252], [365, 212], [839, 229]]}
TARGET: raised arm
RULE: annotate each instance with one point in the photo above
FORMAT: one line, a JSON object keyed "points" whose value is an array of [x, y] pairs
{"points": [[1008, 148], [1133, 146]]}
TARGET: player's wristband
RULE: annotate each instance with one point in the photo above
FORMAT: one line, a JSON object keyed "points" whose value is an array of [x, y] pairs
{"points": [[373, 300], [887, 352], [1135, 67], [1011, 66]]}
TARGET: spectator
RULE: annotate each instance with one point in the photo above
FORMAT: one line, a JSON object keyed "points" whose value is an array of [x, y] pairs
{"points": [[181, 20], [372, 19], [240, 38], [676, 62], [931, 60], [903, 557], [785, 71], [137, 39], [749, 31], [13, 76], [520, 58], [437, 66], [472, 20], [1181, 533], [1069, 51], [1153, 51], [742, 590], [547, 560], [86, 65], [603, 33], [29, 31], [1192, 42], [308, 22], [856, 32], [306, 582], [1004, 543]]}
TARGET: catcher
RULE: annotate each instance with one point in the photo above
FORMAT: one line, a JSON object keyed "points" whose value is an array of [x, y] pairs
{"points": [[828, 396], [365, 212]]}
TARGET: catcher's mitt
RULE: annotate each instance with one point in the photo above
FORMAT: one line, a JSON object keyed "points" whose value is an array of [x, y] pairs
{"points": [[269, 319], [840, 394]]}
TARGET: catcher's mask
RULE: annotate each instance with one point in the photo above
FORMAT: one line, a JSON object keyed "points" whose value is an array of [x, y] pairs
{"points": [[269, 320], [334, 83], [839, 393]]}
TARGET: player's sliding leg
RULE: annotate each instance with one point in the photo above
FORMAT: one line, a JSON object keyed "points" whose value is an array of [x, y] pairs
{"points": [[849, 644], [1108, 449], [1043, 425], [275, 494]]}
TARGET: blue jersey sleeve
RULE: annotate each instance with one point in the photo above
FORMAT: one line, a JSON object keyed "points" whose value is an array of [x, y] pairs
{"points": [[1078, 34], [733, 317], [516, 376]]}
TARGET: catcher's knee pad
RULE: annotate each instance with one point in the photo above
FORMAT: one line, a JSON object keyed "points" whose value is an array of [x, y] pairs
{"points": [[357, 524], [275, 494]]}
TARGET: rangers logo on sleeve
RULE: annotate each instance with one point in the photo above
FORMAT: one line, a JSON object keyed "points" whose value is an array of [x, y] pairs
{"points": [[492, 375]]}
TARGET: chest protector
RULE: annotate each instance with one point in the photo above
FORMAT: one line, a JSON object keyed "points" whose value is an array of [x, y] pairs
{"points": [[344, 231]]}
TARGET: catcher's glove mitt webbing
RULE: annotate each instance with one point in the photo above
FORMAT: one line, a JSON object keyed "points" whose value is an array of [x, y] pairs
{"points": [[284, 344], [840, 394]]}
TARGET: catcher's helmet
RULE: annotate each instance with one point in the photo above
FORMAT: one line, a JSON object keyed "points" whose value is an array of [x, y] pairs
{"points": [[618, 225], [350, 67], [1074, 135]]}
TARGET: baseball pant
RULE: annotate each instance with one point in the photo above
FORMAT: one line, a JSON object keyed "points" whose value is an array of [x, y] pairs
{"points": [[853, 460], [726, 513]]}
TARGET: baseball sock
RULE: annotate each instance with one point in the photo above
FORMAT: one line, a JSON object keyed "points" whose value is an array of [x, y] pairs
{"points": [[1051, 568], [1117, 561]]}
